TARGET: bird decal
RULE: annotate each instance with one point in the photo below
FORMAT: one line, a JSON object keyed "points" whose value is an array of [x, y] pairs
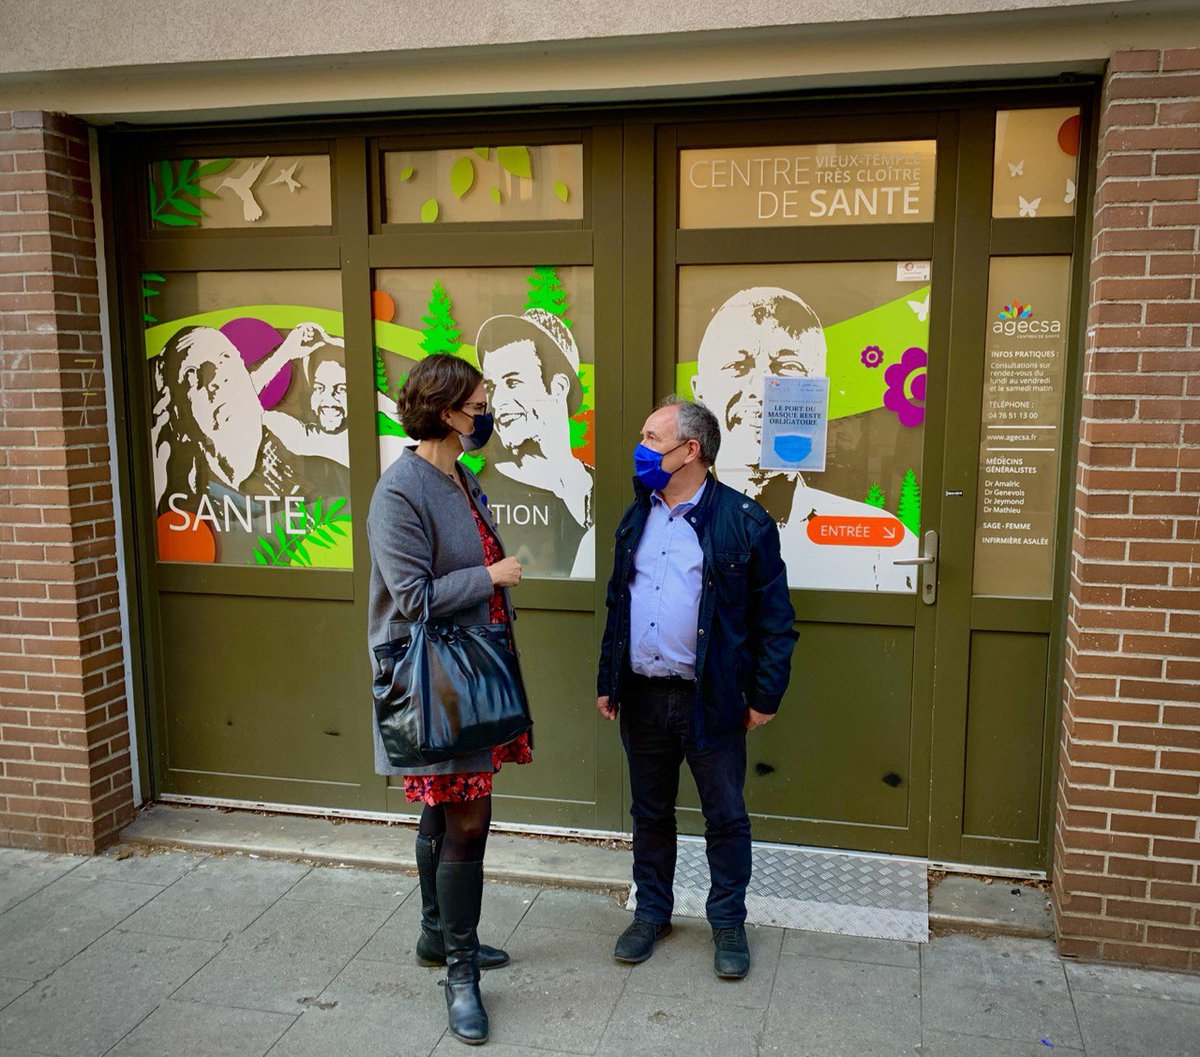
{"points": [[288, 176], [242, 187]]}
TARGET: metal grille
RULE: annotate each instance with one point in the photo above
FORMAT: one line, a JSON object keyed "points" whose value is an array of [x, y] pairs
{"points": [[846, 893]]}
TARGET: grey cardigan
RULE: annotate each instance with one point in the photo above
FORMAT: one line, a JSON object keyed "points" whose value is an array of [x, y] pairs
{"points": [[420, 532]]}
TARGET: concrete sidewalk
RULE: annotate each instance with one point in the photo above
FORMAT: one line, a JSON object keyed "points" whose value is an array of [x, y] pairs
{"points": [[166, 954]]}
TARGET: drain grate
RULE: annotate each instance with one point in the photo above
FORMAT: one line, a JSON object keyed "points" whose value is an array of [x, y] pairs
{"points": [[846, 893]]}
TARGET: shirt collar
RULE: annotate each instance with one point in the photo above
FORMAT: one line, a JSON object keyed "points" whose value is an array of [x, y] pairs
{"points": [[687, 504]]}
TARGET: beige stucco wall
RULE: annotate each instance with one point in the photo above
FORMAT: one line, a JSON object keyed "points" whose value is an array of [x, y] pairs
{"points": [[163, 60]]}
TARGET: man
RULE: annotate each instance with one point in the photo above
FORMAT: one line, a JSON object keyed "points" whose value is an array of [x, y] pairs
{"points": [[768, 330], [209, 437], [324, 358], [530, 367], [697, 651]]}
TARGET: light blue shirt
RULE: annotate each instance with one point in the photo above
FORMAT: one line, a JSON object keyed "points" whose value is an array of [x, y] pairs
{"points": [[664, 595]]}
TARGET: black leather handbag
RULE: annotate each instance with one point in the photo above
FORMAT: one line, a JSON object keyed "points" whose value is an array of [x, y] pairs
{"points": [[444, 690]]}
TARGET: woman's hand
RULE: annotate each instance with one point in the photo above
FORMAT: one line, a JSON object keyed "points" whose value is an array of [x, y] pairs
{"points": [[505, 573]]}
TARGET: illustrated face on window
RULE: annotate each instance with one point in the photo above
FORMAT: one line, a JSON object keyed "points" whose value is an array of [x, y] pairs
{"points": [[328, 399], [526, 410], [760, 331], [219, 408]]}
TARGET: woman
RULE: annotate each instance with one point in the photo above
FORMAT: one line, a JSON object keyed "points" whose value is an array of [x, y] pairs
{"points": [[430, 530]]}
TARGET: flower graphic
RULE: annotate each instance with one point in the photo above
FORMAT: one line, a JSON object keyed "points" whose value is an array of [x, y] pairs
{"points": [[1016, 310], [871, 356], [906, 387]]}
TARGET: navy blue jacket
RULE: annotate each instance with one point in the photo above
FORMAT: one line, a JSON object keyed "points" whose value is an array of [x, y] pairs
{"points": [[745, 635]]}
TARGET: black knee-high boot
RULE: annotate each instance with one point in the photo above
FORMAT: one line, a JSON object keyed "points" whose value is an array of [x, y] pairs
{"points": [[460, 896], [431, 947]]}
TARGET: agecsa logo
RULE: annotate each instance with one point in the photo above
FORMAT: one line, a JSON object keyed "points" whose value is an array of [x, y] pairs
{"points": [[1017, 318]]}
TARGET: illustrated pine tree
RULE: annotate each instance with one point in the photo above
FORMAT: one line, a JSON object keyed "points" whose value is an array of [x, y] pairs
{"points": [[876, 498], [909, 509], [546, 291], [381, 378], [441, 332]]}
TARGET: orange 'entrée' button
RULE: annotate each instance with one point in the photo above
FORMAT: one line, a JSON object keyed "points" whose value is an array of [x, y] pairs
{"points": [[856, 531]]}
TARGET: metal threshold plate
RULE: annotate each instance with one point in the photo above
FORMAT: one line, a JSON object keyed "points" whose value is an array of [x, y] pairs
{"points": [[845, 893]]}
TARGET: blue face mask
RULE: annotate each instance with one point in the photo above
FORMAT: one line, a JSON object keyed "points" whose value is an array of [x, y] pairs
{"points": [[648, 465]]}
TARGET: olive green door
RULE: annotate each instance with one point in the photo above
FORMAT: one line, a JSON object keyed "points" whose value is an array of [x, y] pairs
{"points": [[275, 293], [856, 248]]}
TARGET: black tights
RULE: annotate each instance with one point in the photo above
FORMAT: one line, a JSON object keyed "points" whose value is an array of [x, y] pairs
{"points": [[464, 825]]}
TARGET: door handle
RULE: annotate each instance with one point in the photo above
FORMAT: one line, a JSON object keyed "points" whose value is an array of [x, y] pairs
{"points": [[929, 574]]}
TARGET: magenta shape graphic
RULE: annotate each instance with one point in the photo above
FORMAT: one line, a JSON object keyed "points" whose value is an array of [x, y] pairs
{"points": [[256, 340], [905, 394]]}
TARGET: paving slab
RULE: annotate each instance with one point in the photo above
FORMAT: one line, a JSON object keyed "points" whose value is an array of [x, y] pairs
{"points": [[682, 966], [371, 1009], [992, 905], [193, 1029], [11, 988], [219, 898], [97, 998], [853, 948], [582, 864], [24, 872], [648, 1026], [59, 920], [273, 981], [357, 887], [293, 926], [565, 908], [822, 1007], [140, 865], [1002, 988], [952, 1044], [1137, 1026], [560, 992], [1123, 980]]}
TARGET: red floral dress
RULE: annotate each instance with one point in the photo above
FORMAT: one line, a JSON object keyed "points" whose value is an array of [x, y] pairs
{"points": [[440, 788]]}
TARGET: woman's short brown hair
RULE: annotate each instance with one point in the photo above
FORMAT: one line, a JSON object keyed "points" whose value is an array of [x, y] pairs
{"points": [[438, 383]]}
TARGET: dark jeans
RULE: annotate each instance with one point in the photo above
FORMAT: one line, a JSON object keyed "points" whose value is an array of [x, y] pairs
{"points": [[656, 722]]}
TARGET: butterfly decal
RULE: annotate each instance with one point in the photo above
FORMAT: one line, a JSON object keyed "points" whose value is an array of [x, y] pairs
{"points": [[921, 308], [1017, 168], [1069, 197], [1028, 209]]}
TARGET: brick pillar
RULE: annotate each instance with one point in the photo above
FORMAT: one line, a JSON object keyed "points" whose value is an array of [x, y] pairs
{"points": [[65, 780], [1127, 847]]}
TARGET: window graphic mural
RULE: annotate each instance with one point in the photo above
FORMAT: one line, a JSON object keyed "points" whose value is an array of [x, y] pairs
{"points": [[865, 327], [248, 418], [256, 192], [1037, 161], [508, 183], [530, 332]]}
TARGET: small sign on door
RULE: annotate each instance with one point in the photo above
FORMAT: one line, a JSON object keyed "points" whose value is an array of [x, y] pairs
{"points": [[912, 271]]}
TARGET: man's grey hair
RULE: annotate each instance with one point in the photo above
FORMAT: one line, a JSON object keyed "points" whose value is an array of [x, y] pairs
{"points": [[696, 422]]}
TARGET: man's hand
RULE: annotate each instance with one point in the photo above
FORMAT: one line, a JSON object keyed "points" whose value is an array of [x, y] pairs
{"points": [[606, 708], [753, 719]]}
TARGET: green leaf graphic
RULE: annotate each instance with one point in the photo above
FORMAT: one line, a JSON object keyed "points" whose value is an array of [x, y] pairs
{"points": [[430, 211], [462, 176], [213, 167], [516, 161], [484, 152], [561, 190], [406, 173], [496, 195]]}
